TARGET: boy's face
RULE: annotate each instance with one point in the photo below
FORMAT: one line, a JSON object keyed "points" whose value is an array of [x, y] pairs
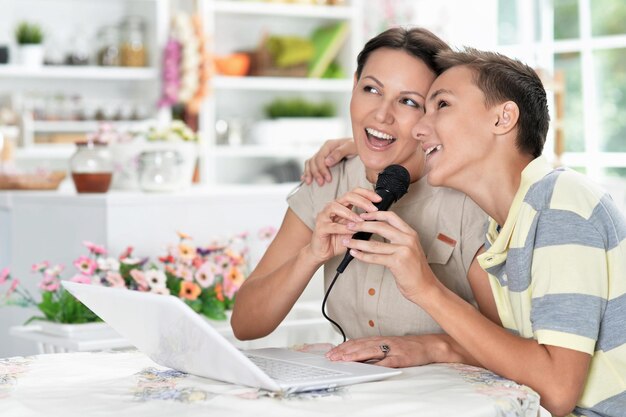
{"points": [[457, 131]]}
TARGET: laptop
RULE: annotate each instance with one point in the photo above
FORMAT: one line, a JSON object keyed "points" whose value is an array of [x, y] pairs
{"points": [[173, 335]]}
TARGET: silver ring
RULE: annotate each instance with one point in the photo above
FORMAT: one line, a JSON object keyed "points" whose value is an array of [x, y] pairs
{"points": [[385, 349]]}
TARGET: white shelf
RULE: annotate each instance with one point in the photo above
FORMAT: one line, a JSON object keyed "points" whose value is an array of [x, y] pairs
{"points": [[282, 84], [80, 72], [290, 10], [255, 151], [79, 126], [46, 151]]}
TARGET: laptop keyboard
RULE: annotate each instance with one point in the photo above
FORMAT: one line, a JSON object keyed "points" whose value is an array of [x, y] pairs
{"points": [[286, 371]]}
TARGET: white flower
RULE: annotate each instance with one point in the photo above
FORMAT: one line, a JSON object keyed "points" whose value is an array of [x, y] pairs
{"points": [[162, 291], [108, 264], [156, 279], [131, 261]]}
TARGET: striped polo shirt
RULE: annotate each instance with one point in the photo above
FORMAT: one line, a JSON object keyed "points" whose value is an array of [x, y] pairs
{"points": [[557, 269]]}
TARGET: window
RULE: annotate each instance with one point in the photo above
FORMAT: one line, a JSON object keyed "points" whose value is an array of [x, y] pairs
{"points": [[584, 42]]}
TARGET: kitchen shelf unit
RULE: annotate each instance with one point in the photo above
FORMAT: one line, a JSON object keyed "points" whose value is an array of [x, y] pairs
{"points": [[234, 26], [63, 72], [61, 21]]}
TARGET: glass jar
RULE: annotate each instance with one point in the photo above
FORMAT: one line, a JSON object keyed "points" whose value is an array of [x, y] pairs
{"points": [[133, 48], [91, 167], [160, 170], [109, 46], [79, 49]]}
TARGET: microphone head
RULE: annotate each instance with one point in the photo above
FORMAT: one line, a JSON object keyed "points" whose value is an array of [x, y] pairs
{"points": [[395, 179]]}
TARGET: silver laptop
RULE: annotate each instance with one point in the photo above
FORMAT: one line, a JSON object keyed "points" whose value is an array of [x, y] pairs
{"points": [[173, 335]]}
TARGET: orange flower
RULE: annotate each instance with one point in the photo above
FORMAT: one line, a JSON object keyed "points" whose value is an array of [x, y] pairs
{"points": [[235, 276], [186, 252], [219, 293], [189, 290], [183, 235], [235, 257]]}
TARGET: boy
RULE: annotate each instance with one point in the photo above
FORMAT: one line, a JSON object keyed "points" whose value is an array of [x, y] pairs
{"points": [[556, 244]]}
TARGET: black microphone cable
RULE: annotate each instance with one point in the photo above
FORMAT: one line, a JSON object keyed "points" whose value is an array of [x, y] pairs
{"points": [[393, 183], [330, 287]]}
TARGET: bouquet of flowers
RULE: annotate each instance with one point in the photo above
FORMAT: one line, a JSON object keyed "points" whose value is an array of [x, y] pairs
{"points": [[205, 277], [58, 305]]}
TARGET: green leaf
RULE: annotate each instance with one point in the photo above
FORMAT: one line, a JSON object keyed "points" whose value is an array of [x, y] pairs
{"points": [[214, 309]]}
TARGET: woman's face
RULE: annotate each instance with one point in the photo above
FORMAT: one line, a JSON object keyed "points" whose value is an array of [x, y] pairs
{"points": [[387, 102]]}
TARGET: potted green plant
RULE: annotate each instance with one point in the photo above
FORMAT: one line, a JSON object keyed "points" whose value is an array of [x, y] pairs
{"points": [[29, 37], [297, 121]]}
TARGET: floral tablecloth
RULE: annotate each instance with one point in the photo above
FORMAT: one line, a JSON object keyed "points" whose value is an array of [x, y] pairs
{"points": [[130, 384]]}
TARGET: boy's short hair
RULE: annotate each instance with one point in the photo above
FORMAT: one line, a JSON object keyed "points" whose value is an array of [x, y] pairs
{"points": [[418, 42], [501, 78]]}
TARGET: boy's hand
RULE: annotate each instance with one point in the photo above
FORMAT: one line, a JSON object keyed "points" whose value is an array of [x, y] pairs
{"points": [[331, 152]]}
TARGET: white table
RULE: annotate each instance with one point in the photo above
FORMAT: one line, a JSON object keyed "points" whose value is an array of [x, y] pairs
{"points": [[129, 384]]}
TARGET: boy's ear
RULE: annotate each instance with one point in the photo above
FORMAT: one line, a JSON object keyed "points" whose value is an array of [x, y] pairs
{"points": [[507, 115], [355, 80]]}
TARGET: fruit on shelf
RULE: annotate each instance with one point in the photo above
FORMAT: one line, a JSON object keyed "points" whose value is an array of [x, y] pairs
{"points": [[236, 64]]}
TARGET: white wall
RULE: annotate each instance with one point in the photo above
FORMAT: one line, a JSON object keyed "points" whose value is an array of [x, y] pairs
{"points": [[460, 22]]}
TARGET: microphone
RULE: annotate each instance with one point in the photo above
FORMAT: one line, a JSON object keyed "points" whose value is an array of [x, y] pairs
{"points": [[392, 184]]}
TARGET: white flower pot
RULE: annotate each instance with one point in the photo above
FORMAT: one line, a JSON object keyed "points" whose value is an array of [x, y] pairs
{"points": [[297, 131], [30, 55], [96, 330], [57, 337]]}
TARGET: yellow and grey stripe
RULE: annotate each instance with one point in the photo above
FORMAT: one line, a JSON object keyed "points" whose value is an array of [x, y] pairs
{"points": [[558, 272]]}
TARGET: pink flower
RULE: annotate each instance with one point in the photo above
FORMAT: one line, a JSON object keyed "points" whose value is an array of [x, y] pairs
{"points": [[81, 279], [13, 286], [86, 265], [205, 275], [4, 275], [95, 249], [115, 280], [185, 273], [127, 253], [140, 279], [40, 266], [267, 233], [49, 284]]}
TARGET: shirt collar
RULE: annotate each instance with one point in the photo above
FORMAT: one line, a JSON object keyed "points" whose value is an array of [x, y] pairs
{"points": [[534, 171]]}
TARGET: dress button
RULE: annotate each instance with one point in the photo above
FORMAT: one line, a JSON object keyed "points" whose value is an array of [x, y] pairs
{"points": [[371, 323], [371, 291]]}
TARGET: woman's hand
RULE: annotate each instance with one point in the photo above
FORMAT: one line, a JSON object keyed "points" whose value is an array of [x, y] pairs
{"points": [[402, 351], [329, 155], [402, 252], [331, 223]]}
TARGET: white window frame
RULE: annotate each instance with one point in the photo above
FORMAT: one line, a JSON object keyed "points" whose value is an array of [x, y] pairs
{"points": [[541, 54]]}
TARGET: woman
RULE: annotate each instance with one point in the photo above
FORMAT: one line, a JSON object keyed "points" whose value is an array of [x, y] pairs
{"points": [[394, 72]]}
